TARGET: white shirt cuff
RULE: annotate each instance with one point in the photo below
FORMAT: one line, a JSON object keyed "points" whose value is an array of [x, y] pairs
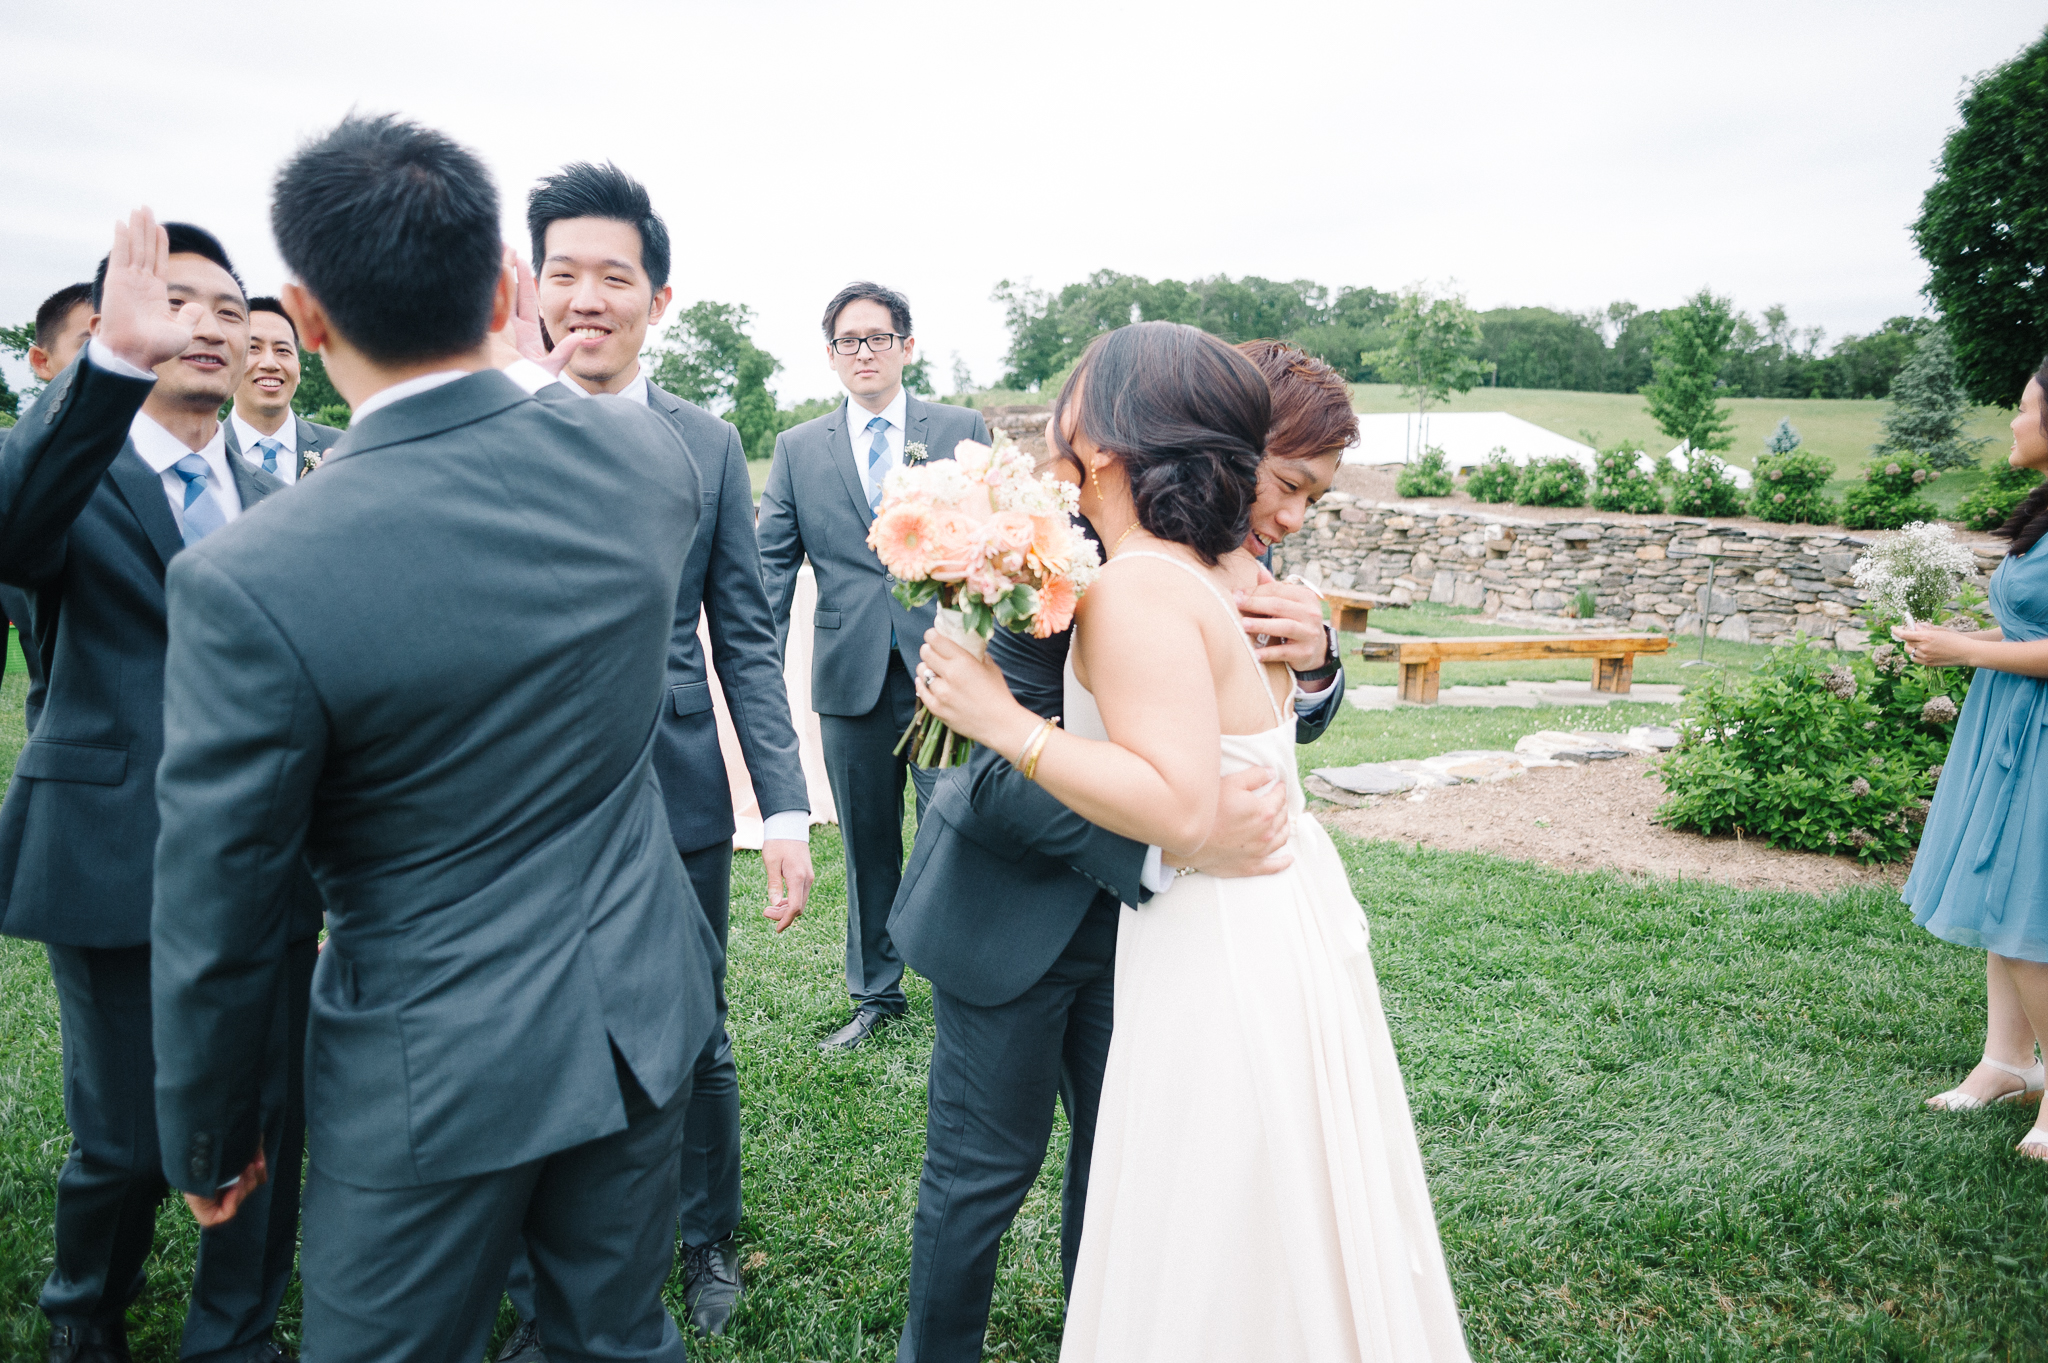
{"points": [[102, 356], [1308, 702], [1156, 876], [533, 378], [793, 825]]}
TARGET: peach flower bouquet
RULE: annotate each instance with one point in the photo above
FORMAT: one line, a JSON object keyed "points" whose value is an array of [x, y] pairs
{"points": [[994, 543]]}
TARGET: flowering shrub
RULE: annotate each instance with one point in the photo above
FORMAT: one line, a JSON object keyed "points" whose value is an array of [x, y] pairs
{"points": [[1621, 483], [1706, 488], [1494, 480], [1787, 487], [1426, 477], [1559, 481], [1991, 505], [1889, 495], [1814, 753]]}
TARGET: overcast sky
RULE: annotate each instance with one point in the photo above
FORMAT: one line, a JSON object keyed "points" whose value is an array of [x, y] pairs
{"points": [[1563, 154]]}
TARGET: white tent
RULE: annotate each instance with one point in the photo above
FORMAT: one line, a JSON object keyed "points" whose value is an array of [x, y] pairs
{"points": [[1467, 438]]}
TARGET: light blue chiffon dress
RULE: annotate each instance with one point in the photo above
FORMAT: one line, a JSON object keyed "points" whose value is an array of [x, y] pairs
{"points": [[1981, 878]]}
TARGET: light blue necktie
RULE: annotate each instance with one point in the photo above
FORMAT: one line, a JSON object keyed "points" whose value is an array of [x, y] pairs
{"points": [[203, 514], [271, 449], [878, 461]]}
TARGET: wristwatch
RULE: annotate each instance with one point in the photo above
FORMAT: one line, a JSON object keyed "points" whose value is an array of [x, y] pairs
{"points": [[1331, 662]]}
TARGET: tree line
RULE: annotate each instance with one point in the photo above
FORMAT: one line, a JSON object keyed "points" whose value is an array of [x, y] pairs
{"points": [[1607, 350]]}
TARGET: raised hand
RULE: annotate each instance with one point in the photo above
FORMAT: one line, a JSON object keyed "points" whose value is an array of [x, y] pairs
{"points": [[520, 338], [1290, 615], [137, 319]]}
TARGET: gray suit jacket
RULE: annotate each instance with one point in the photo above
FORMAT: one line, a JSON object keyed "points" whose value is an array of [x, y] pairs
{"points": [[814, 506], [86, 532], [449, 710], [312, 437], [722, 579]]}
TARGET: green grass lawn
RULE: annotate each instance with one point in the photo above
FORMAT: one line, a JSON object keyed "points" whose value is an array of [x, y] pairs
{"points": [[1663, 1121]]}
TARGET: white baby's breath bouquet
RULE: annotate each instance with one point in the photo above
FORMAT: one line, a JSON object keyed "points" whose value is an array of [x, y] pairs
{"points": [[1915, 573]]}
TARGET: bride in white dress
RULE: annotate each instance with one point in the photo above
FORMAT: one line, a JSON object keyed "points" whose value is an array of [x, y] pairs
{"points": [[1256, 1190]]}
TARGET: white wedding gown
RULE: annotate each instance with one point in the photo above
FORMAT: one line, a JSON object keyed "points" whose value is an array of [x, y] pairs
{"points": [[1256, 1191]]}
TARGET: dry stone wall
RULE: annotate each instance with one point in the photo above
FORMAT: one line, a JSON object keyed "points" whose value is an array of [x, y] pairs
{"points": [[1645, 572]]}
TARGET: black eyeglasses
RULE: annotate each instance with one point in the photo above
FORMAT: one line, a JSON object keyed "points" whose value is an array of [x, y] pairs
{"points": [[876, 344]]}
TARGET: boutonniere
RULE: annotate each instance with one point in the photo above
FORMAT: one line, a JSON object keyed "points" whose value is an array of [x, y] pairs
{"points": [[915, 453], [309, 461]]}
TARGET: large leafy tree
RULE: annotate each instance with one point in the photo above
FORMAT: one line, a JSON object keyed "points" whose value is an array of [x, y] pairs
{"points": [[1683, 391], [1432, 340], [316, 391], [1983, 229]]}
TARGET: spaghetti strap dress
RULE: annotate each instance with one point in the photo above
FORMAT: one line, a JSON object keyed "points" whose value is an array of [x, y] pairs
{"points": [[1980, 878]]}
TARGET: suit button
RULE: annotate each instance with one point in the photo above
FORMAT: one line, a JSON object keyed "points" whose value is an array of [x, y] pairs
{"points": [[198, 1168]]}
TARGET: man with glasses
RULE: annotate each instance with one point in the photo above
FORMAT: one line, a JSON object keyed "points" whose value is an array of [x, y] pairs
{"points": [[823, 491]]}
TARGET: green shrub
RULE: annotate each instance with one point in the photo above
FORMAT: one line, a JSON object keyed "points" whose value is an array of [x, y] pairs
{"points": [[1559, 481], [1426, 477], [1814, 750], [1889, 495], [1494, 480], [1991, 505], [1621, 483], [1586, 605], [1787, 487], [334, 414], [1706, 488]]}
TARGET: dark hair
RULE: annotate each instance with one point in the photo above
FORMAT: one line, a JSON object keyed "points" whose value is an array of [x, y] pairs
{"points": [[56, 308], [1187, 417], [2029, 520], [1312, 413], [896, 303], [394, 228], [582, 190], [186, 240], [273, 305]]}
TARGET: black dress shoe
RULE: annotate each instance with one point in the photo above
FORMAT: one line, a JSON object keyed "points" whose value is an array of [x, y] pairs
{"points": [[865, 1022], [99, 1341], [711, 1284], [523, 1346]]}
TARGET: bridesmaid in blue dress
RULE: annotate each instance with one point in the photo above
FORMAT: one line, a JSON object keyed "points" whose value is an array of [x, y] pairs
{"points": [[1981, 877]]}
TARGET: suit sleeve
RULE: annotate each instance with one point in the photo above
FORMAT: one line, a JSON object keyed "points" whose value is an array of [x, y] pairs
{"points": [[746, 647], [781, 542], [245, 739], [53, 460], [1311, 724], [1023, 809]]}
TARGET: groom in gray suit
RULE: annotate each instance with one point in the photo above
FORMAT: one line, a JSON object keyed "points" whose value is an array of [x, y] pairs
{"points": [[823, 490], [447, 709]]}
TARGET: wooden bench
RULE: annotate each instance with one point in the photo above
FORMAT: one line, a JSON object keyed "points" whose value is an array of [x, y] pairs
{"points": [[1421, 660], [1349, 611]]}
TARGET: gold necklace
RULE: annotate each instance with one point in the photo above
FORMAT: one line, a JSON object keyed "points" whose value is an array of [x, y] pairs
{"points": [[1121, 538]]}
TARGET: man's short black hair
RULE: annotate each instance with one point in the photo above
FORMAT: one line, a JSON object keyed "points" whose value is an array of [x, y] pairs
{"points": [[394, 228], [896, 303], [56, 308], [582, 190], [186, 240], [257, 305]]}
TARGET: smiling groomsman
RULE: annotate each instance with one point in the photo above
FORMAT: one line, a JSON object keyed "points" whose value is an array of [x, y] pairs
{"points": [[264, 428], [823, 491], [601, 260], [120, 466]]}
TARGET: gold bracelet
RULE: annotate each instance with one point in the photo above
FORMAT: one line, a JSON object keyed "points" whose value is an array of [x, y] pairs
{"points": [[1027, 761]]}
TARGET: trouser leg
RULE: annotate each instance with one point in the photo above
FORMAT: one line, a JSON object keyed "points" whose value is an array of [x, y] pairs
{"points": [[711, 1126], [1084, 1054], [866, 777], [995, 1075], [112, 1180], [601, 1235]]}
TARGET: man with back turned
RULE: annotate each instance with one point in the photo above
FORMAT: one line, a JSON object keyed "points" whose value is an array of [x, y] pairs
{"points": [[446, 709]]}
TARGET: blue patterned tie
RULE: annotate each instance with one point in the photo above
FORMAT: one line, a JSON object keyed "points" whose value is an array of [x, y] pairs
{"points": [[203, 514], [878, 461], [271, 449]]}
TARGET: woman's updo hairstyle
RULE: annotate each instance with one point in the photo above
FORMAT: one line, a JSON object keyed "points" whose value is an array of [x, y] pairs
{"points": [[1186, 415], [2029, 520]]}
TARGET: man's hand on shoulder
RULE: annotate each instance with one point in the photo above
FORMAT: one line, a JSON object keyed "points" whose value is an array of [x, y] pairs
{"points": [[137, 321], [1290, 615], [1250, 833]]}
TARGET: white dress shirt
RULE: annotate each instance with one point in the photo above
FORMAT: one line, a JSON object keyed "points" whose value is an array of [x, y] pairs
{"points": [[287, 436], [857, 419], [160, 449], [792, 825]]}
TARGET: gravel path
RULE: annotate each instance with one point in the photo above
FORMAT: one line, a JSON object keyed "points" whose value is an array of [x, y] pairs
{"points": [[1592, 817]]}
